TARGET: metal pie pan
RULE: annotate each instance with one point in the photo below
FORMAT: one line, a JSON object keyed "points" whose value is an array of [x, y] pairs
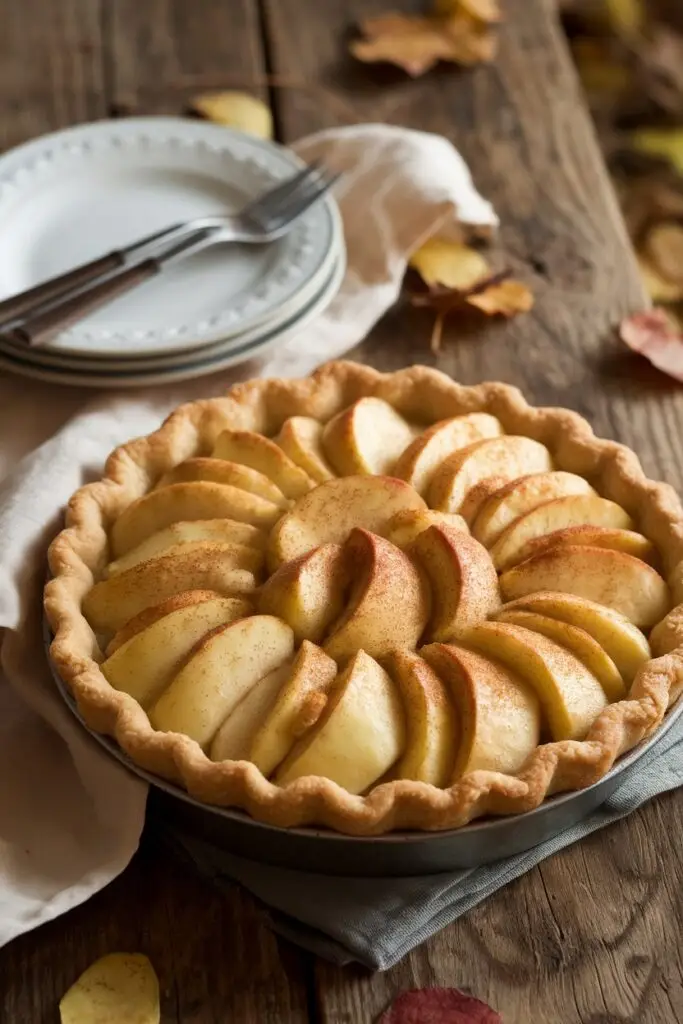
{"points": [[395, 854]]}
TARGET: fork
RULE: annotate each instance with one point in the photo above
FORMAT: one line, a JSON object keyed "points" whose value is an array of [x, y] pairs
{"points": [[56, 304]]}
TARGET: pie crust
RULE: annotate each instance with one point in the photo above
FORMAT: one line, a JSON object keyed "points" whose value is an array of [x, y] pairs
{"points": [[79, 554]]}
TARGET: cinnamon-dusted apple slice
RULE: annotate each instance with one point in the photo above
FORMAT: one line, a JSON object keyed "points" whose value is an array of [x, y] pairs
{"points": [[404, 527], [388, 605], [157, 611], [505, 457], [499, 715], [518, 497], [112, 602], [145, 664], [558, 514], [225, 531], [180, 502], [422, 458], [368, 437], [301, 439], [609, 577], [570, 695], [222, 670], [297, 707], [576, 640], [221, 471], [628, 541], [264, 455], [239, 556], [328, 514], [619, 638], [233, 739], [463, 581], [431, 724], [308, 592], [360, 734]]}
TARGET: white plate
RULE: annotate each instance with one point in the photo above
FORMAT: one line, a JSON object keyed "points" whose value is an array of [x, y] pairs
{"points": [[198, 366], [73, 195]]}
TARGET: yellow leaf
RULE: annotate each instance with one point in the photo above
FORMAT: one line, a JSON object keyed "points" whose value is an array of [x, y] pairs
{"points": [[657, 287], [487, 11], [450, 264], [121, 988], [236, 110], [504, 299], [666, 142], [627, 17], [664, 245], [417, 43]]}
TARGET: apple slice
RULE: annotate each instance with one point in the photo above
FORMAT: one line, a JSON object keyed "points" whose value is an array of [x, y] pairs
{"points": [[571, 696], [239, 556], [619, 638], [505, 457], [308, 592], [264, 455], [599, 574], [310, 681], [226, 531], [222, 670], [301, 439], [368, 437], [360, 734], [177, 502], [558, 514], [404, 527], [431, 724], [221, 471], [388, 605], [628, 541], [499, 715], [518, 497], [145, 665], [329, 513], [111, 603], [157, 611], [423, 457], [463, 581], [233, 739], [479, 495], [576, 640]]}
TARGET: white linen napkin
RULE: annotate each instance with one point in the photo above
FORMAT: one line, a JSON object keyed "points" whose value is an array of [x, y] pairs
{"points": [[71, 818]]}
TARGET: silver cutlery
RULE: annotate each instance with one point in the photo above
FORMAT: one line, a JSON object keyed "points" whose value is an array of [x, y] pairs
{"points": [[34, 317]]}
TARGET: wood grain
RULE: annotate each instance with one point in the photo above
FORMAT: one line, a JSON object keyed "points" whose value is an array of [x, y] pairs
{"points": [[592, 935]]}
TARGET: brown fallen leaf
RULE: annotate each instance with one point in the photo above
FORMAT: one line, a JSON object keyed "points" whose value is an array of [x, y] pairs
{"points": [[417, 43], [235, 110], [439, 1006], [496, 295], [654, 335]]}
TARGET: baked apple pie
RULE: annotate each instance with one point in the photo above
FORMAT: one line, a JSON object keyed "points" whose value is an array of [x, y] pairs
{"points": [[371, 601]]}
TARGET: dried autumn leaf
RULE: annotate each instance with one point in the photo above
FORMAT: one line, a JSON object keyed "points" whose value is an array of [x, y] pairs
{"points": [[121, 988], [417, 43], [439, 1006], [664, 246], [236, 110], [450, 264], [666, 142], [506, 298], [654, 335], [487, 11]]}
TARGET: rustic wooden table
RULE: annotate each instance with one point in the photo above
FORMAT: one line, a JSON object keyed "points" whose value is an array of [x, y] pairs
{"points": [[592, 934]]}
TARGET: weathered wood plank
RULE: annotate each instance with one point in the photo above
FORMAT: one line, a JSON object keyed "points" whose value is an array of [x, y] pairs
{"points": [[590, 935], [215, 959]]}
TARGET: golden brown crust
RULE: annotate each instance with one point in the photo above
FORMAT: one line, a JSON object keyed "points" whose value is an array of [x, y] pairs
{"points": [[79, 553]]}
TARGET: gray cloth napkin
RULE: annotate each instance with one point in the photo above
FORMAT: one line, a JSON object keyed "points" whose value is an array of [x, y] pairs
{"points": [[377, 921]]}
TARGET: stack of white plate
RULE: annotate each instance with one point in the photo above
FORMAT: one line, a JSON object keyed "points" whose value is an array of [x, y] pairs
{"points": [[74, 195]]}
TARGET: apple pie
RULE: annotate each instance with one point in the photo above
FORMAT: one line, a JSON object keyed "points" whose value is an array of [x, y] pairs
{"points": [[371, 601]]}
